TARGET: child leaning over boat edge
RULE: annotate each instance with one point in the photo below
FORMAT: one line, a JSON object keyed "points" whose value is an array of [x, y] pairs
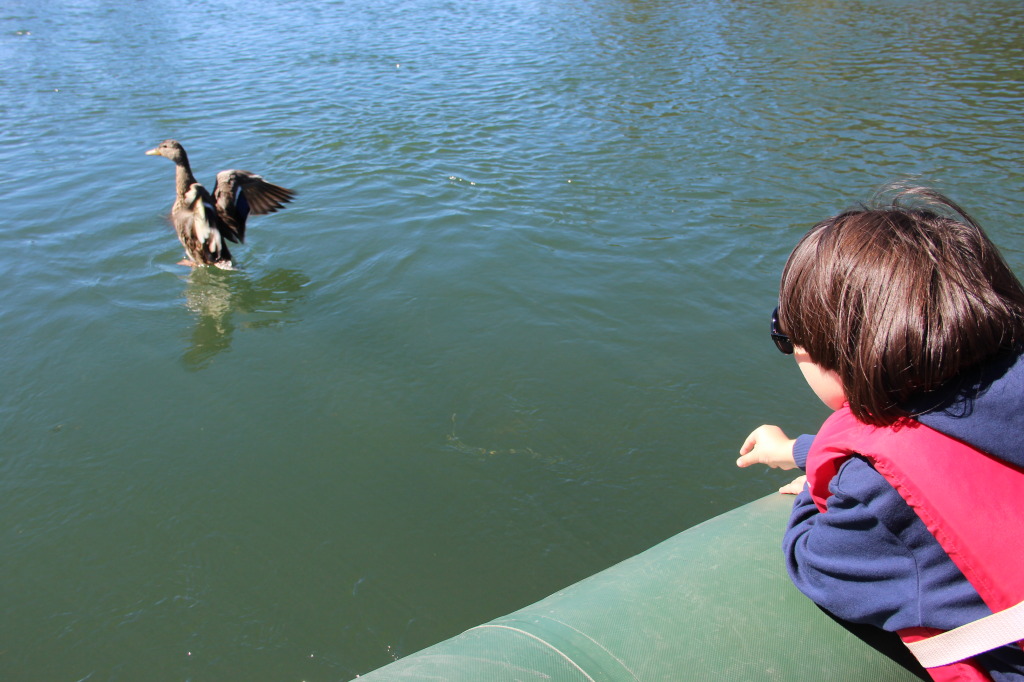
{"points": [[905, 320]]}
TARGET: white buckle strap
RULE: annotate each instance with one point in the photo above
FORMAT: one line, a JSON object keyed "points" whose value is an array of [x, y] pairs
{"points": [[971, 639]]}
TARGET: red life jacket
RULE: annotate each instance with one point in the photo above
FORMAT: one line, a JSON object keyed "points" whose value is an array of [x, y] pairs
{"points": [[970, 501]]}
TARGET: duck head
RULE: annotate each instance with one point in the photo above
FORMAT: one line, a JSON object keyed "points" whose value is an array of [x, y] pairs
{"points": [[169, 149]]}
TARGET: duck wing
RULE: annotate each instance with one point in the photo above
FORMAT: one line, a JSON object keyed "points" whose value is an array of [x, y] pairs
{"points": [[239, 193]]}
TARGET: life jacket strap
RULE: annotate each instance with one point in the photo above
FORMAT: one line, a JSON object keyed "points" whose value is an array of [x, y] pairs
{"points": [[976, 637]]}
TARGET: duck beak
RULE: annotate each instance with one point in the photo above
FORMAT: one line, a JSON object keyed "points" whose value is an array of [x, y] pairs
{"points": [[154, 152]]}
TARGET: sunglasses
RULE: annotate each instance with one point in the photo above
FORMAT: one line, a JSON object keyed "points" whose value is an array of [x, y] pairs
{"points": [[782, 342]]}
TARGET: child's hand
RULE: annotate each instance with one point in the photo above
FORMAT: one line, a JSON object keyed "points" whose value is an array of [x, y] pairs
{"points": [[794, 487], [767, 445]]}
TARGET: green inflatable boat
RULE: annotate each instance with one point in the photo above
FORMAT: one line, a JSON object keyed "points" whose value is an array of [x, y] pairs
{"points": [[712, 603]]}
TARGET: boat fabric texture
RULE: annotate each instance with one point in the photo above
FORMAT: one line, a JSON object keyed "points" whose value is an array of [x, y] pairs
{"points": [[711, 603], [871, 559]]}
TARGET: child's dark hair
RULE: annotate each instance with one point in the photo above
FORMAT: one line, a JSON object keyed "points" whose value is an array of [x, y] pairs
{"points": [[897, 298]]}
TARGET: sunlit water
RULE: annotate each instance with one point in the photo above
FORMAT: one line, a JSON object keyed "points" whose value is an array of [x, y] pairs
{"points": [[512, 331]]}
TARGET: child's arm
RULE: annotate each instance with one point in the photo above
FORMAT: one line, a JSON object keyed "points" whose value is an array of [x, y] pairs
{"points": [[871, 559], [848, 560]]}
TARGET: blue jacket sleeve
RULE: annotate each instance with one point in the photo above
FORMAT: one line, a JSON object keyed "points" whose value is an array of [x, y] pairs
{"points": [[847, 560], [801, 447], [870, 559]]}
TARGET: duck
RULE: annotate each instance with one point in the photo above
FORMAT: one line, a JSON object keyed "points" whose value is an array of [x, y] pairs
{"points": [[205, 223]]}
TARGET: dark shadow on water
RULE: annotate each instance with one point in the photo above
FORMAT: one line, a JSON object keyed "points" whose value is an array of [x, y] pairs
{"points": [[223, 301]]}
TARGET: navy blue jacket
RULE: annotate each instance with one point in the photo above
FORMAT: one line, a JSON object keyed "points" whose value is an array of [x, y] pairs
{"points": [[870, 559]]}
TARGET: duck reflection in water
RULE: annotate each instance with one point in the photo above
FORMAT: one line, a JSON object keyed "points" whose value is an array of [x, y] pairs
{"points": [[223, 301]]}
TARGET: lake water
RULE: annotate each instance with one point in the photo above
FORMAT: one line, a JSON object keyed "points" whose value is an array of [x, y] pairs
{"points": [[512, 331]]}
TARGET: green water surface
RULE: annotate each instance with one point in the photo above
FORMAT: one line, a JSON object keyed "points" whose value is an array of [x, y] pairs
{"points": [[512, 331]]}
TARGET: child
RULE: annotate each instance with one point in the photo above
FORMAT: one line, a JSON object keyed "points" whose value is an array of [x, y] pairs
{"points": [[905, 320]]}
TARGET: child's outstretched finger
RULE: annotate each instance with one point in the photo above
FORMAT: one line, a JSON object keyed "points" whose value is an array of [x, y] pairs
{"points": [[748, 445], [748, 451]]}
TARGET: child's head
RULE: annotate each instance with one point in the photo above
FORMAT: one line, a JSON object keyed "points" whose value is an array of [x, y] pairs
{"points": [[898, 298]]}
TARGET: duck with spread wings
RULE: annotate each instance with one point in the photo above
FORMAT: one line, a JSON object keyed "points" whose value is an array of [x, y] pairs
{"points": [[206, 223]]}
